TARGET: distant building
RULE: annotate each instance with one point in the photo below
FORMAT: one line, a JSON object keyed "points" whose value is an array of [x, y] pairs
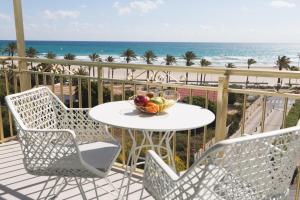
{"points": [[212, 95]]}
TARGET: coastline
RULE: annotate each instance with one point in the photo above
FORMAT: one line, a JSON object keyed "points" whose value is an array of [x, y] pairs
{"points": [[218, 54]]}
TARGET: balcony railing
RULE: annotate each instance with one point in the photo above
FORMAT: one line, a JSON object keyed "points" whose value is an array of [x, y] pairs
{"points": [[237, 104]]}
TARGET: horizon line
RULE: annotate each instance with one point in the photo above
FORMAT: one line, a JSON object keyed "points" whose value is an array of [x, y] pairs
{"points": [[134, 41]]}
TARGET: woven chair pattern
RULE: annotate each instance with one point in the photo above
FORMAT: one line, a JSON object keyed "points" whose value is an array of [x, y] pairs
{"points": [[50, 133], [248, 168]]}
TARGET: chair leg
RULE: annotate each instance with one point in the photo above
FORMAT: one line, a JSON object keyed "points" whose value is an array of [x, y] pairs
{"points": [[62, 187], [45, 185], [141, 196], [80, 188], [56, 181]]}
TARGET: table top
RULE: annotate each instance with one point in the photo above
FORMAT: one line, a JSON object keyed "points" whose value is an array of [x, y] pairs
{"points": [[123, 114]]}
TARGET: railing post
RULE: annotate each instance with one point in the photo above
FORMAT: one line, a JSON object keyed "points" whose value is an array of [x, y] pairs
{"points": [[100, 85], [25, 82], [222, 103]]}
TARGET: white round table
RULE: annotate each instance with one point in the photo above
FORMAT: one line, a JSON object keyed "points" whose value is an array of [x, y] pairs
{"points": [[123, 114], [179, 117]]}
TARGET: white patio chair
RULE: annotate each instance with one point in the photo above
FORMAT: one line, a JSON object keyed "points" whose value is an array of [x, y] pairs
{"points": [[62, 142], [254, 167]]}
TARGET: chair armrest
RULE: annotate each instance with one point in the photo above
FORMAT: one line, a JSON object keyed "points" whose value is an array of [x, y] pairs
{"points": [[43, 147], [269, 145], [159, 178], [86, 129]]}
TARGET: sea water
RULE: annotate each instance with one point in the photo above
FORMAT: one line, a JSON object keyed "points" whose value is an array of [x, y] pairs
{"points": [[218, 53]]}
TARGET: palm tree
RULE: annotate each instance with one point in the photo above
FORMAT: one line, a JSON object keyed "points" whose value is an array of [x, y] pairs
{"points": [[283, 62], [230, 65], [129, 55], [149, 56], [69, 56], [31, 53], [250, 62], [50, 55], [11, 49], [170, 60], [93, 57], [81, 71], [110, 59], [45, 66], [2, 51], [3, 63], [189, 56], [203, 63]]}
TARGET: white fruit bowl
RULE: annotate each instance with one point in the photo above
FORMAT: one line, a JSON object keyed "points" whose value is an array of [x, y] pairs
{"points": [[159, 103]]}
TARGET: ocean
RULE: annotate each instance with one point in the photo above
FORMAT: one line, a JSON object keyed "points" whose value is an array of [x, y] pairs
{"points": [[218, 53]]}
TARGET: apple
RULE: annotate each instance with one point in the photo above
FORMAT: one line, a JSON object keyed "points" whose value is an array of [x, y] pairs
{"points": [[141, 100], [157, 100]]}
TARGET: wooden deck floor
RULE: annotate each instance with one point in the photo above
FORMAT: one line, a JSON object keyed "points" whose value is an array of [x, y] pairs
{"points": [[16, 183]]}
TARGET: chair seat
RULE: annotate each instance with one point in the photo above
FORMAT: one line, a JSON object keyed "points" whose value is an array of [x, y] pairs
{"points": [[99, 154]]}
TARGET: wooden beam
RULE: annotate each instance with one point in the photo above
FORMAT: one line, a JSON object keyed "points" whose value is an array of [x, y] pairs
{"points": [[222, 103], [25, 82]]}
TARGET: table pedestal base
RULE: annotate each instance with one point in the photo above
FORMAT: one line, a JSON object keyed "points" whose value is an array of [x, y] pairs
{"points": [[162, 148]]}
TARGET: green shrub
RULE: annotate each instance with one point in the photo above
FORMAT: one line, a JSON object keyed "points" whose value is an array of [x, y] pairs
{"points": [[293, 115]]}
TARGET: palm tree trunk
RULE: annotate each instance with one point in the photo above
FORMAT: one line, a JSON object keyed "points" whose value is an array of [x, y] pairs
{"points": [[112, 73], [89, 71], [247, 79], [132, 70], [186, 78], [278, 84], [93, 71], [204, 76], [12, 61], [127, 74], [278, 80], [108, 72], [201, 77], [167, 77], [147, 75]]}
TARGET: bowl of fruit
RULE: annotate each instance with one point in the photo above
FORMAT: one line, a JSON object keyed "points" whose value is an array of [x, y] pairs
{"points": [[155, 103]]}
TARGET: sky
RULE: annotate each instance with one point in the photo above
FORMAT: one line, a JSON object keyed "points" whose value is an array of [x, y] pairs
{"points": [[156, 20]]}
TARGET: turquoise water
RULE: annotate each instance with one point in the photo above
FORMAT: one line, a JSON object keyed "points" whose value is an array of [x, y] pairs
{"points": [[218, 53]]}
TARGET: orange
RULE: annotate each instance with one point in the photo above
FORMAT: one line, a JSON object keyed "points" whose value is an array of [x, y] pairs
{"points": [[152, 107]]}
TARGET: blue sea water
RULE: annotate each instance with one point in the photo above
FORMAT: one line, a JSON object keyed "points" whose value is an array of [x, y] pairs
{"points": [[218, 53]]}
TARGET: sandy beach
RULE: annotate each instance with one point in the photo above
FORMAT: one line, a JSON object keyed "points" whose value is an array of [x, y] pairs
{"points": [[209, 78]]}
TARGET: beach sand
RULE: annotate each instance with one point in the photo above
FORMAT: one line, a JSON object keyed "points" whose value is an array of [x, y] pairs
{"points": [[210, 78]]}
